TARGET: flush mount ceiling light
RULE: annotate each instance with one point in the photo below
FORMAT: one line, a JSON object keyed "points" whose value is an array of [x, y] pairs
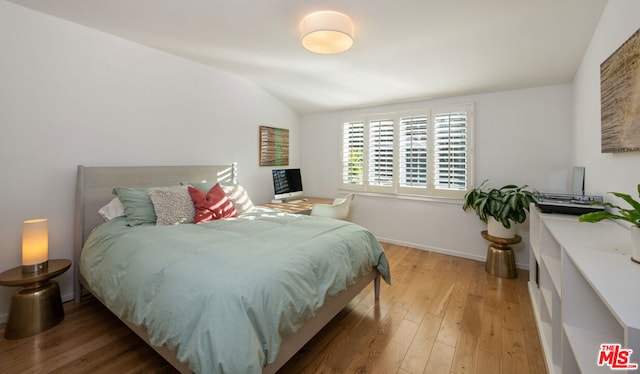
{"points": [[327, 32]]}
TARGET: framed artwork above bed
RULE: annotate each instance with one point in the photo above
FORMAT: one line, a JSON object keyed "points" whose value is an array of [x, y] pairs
{"points": [[620, 98]]}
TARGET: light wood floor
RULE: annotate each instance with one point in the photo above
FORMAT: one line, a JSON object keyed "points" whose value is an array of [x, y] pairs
{"points": [[442, 314]]}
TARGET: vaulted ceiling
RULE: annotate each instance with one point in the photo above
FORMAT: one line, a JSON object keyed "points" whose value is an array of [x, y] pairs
{"points": [[404, 50]]}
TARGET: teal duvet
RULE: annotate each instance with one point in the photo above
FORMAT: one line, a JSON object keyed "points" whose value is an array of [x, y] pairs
{"points": [[222, 294]]}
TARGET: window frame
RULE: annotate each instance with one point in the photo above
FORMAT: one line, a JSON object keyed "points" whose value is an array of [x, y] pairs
{"points": [[430, 190]]}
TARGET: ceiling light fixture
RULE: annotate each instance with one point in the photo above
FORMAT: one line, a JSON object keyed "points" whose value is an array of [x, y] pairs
{"points": [[327, 32]]}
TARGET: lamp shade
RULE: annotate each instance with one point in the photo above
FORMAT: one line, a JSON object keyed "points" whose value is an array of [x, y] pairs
{"points": [[35, 242], [327, 32]]}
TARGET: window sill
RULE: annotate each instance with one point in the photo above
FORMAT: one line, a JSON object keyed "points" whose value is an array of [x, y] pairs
{"points": [[429, 199]]}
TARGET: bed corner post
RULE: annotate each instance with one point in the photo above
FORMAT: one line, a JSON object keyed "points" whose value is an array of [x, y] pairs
{"points": [[78, 233], [376, 286]]}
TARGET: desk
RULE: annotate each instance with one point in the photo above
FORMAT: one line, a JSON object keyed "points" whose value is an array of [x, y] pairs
{"points": [[37, 306], [303, 207]]}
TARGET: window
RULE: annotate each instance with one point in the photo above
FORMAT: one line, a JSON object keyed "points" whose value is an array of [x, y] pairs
{"points": [[380, 165], [423, 152], [450, 136], [353, 154], [413, 152]]}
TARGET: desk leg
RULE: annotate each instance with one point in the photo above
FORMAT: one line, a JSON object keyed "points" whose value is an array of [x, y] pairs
{"points": [[34, 309]]}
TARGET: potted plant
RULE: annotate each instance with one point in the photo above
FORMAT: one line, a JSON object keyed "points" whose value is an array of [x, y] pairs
{"points": [[500, 208], [630, 215]]}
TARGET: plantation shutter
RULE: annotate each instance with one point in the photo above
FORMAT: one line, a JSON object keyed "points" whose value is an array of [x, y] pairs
{"points": [[422, 151], [413, 153], [380, 171], [353, 154], [451, 172]]}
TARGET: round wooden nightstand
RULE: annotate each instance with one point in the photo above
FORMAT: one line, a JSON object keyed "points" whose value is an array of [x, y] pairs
{"points": [[501, 261], [37, 306]]}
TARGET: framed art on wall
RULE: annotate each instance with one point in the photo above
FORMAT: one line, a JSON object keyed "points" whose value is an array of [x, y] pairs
{"points": [[620, 98], [274, 146]]}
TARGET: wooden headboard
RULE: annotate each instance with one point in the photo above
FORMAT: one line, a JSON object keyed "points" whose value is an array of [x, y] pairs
{"points": [[95, 185]]}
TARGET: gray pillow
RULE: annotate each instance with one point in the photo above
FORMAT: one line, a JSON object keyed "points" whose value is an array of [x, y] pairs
{"points": [[172, 205]]}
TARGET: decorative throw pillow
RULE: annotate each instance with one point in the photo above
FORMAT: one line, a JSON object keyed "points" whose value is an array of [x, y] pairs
{"points": [[173, 205], [202, 185], [137, 205], [239, 197], [213, 205], [112, 210]]}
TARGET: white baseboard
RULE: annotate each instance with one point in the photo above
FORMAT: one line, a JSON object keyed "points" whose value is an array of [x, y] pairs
{"points": [[67, 297], [445, 251]]}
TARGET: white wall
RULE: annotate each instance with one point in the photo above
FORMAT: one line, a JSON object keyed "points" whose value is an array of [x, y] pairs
{"points": [[70, 95], [521, 137], [604, 171]]}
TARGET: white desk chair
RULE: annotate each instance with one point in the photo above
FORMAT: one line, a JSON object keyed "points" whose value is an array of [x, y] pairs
{"points": [[339, 209]]}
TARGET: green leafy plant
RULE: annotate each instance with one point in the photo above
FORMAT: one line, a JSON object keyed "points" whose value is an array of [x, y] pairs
{"points": [[505, 204], [629, 215]]}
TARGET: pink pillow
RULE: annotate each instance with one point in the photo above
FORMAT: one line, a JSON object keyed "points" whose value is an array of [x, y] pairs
{"points": [[213, 205]]}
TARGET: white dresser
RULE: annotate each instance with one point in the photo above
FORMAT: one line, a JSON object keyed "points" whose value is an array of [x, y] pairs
{"points": [[585, 291]]}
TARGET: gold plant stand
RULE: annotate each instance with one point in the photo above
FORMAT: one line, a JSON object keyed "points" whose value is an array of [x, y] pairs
{"points": [[501, 261]]}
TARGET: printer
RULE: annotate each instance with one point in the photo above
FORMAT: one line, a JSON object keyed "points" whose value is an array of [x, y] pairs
{"points": [[576, 202]]}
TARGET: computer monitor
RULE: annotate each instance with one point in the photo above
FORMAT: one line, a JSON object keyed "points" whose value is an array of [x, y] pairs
{"points": [[287, 183]]}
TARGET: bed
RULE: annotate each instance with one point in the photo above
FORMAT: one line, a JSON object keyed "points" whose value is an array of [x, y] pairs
{"points": [[231, 295]]}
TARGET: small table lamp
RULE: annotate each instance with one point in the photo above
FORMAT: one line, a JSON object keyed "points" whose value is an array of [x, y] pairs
{"points": [[35, 246], [37, 306]]}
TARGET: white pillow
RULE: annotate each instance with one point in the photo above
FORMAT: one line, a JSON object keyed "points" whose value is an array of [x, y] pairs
{"points": [[239, 196], [112, 210], [173, 205]]}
